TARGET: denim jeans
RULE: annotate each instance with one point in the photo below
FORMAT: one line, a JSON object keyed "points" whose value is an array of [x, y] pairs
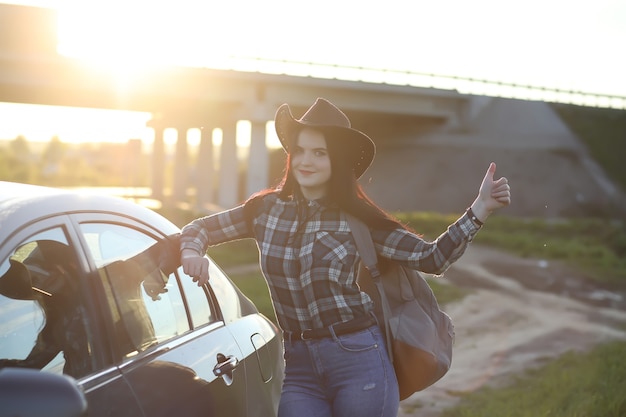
{"points": [[339, 376]]}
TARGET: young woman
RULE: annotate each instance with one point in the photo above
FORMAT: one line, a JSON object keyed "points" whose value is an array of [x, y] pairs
{"points": [[336, 360]]}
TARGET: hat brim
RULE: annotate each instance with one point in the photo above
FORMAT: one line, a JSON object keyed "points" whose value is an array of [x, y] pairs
{"points": [[287, 126], [16, 282]]}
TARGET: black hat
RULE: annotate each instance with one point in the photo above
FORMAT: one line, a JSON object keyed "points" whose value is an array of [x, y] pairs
{"points": [[16, 282], [326, 117], [45, 271]]}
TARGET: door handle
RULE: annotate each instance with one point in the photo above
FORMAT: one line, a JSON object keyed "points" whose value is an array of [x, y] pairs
{"points": [[225, 367]]}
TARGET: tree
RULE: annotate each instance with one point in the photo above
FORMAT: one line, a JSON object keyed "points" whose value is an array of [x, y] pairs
{"points": [[19, 161], [20, 149], [51, 159]]}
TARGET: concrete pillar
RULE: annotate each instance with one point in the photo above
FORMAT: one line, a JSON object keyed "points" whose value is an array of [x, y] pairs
{"points": [[258, 159], [158, 163], [228, 190], [181, 167], [205, 169]]}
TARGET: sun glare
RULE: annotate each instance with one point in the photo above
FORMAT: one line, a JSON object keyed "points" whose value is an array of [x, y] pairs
{"points": [[129, 36], [140, 34], [128, 40]]}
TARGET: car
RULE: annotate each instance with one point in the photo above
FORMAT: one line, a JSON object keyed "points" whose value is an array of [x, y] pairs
{"points": [[91, 288]]}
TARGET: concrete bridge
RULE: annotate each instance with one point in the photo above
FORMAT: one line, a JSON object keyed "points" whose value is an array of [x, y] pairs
{"points": [[433, 144], [32, 72]]}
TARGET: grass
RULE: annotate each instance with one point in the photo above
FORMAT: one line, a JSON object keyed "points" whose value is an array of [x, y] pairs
{"points": [[446, 293], [236, 253], [596, 245], [590, 384], [253, 285]]}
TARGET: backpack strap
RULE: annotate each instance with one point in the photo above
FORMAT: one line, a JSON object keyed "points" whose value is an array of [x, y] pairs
{"points": [[365, 247], [364, 244]]}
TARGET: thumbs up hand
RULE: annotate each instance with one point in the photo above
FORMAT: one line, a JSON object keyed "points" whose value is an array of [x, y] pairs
{"points": [[492, 194]]}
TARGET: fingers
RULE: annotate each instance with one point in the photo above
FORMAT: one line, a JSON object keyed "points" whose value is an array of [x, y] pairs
{"points": [[501, 181], [494, 194], [197, 267], [504, 198], [501, 191], [502, 185]]}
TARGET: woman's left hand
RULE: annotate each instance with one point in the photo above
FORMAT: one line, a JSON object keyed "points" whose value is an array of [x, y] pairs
{"points": [[492, 194]]}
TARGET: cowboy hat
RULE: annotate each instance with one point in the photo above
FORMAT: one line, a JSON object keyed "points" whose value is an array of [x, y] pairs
{"points": [[326, 117], [16, 282], [43, 271]]}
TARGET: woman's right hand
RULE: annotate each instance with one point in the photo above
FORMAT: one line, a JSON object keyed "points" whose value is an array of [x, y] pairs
{"points": [[196, 266]]}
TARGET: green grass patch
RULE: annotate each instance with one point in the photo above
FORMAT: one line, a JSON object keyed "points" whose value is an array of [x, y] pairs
{"points": [[588, 384], [596, 245], [253, 285], [240, 252], [446, 293]]}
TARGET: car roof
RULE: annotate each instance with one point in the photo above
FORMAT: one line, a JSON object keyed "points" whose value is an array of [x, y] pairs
{"points": [[22, 203]]}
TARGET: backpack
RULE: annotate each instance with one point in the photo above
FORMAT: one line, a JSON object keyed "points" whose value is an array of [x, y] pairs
{"points": [[419, 335]]}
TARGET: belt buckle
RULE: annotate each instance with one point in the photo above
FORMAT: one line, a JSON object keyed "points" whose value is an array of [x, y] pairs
{"points": [[302, 335]]}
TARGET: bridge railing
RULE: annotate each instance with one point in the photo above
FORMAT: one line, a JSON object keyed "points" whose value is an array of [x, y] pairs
{"points": [[464, 85]]}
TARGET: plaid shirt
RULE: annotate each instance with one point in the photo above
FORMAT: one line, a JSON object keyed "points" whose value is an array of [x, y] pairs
{"points": [[310, 260]]}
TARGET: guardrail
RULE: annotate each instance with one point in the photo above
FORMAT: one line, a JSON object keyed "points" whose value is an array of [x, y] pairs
{"points": [[464, 85]]}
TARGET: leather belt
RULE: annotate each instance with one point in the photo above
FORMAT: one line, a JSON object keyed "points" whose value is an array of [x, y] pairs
{"points": [[346, 327]]}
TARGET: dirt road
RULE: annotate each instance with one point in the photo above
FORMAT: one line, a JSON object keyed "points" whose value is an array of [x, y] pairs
{"points": [[522, 313]]}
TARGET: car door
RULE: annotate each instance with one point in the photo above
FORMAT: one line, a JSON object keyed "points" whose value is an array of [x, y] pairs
{"points": [[48, 320], [259, 341], [170, 343]]}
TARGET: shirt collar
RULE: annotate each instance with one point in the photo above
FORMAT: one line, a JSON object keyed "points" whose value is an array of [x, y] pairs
{"points": [[323, 202]]}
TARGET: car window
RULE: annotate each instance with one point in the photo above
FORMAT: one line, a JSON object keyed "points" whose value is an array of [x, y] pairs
{"points": [[145, 303], [43, 320], [199, 307], [225, 293]]}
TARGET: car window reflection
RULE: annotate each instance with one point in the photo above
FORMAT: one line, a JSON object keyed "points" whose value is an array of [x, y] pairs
{"points": [[198, 301], [43, 316], [144, 300]]}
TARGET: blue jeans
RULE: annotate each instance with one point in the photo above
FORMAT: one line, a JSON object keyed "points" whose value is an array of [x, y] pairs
{"points": [[339, 376]]}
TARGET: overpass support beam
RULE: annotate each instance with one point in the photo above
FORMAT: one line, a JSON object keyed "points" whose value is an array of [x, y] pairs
{"points": [[158, 163], [205, 170], [258, 159], [228, 190], [181, 166]]}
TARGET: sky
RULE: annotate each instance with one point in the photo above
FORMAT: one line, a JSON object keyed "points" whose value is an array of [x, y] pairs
{"points": [[557, 44]]}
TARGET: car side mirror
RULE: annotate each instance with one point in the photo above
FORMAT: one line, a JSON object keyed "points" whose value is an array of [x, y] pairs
{"points": [[33, 393]]}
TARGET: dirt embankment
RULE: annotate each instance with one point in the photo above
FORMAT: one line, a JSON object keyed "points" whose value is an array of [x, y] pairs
{"points": [[522, 313], [549, 168]]}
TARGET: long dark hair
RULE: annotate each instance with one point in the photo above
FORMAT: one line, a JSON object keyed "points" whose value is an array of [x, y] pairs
{"points": [[344, 189]]}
